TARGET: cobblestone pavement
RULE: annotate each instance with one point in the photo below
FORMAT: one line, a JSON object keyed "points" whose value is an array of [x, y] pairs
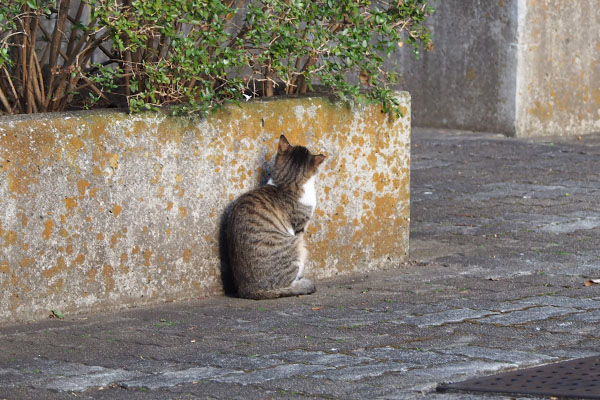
{"points": [[504, 236]]}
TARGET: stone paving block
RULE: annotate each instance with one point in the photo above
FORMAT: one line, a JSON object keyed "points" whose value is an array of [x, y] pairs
{"points": [[264, 375], [319, 358], [355, 321], [504, 355], [532, 314], [321, 388], [364, 371], [423, 381], [63, 376], [488, 305], [230, 361], [572, 224], [444, 317], [572, 353], [561, 301], [408, 356], [567, 326], [457, 370], [172, 378], [590, 316], [102, 377]]}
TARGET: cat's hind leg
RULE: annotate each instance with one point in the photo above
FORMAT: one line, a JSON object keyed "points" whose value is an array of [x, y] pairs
{"points": [[303, 286], [299, 286]]}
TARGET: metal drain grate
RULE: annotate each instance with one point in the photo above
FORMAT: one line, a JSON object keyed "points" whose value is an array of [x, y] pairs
{"points": [[570, 379]]}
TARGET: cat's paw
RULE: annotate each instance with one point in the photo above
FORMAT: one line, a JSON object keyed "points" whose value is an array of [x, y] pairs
{"points": [[304, 286]]}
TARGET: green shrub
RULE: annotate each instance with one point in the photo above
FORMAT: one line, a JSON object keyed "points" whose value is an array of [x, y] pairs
{"points": [[198, 54]]}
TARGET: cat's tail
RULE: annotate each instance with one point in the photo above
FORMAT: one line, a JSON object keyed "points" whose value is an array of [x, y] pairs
{"points": [[298, 287]]}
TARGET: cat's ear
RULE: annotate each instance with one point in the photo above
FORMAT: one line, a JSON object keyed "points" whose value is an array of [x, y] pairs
{"points": [[284, 145], [318, 160]]}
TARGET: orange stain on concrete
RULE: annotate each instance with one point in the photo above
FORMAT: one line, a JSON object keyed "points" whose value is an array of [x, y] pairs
{"points": [[70, 203], [109, 282], [24, 220], [82, 186], [187, 255], [26, 153], [117, 210], [113, 160], [4, 267], [182, 212], [91, 275], [60, 266], [76, 144], [147, 256], [380, 180], [80, 259], [26, 262], [10, 238], [57, 287], [48, 226]]}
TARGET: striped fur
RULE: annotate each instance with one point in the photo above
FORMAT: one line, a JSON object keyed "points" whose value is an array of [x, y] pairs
{"points": [[265, 229]]}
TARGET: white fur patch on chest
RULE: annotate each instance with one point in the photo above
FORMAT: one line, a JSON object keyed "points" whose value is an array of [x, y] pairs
{"points": [[309, 197], [270, 182]]}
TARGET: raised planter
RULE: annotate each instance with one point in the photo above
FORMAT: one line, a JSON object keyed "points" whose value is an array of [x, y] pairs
{"points": [[102, 210]]}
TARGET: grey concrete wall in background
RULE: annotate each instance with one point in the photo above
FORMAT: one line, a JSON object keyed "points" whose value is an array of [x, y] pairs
{"points": [[467, 80], [518, 67], [558, 83]]}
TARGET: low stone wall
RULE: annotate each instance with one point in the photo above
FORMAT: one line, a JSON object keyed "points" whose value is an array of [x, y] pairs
{"points": [[101, 210]]}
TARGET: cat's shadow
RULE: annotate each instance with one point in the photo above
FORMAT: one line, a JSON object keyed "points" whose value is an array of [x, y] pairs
{"points": [[226, 271]]}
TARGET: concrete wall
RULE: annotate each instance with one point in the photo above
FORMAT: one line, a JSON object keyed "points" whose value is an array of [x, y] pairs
{"points": [[102, 210], [519, 67], [559, 67], [467, 80]]}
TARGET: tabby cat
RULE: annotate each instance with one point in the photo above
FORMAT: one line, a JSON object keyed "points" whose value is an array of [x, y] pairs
{"points": [[265, 228]]}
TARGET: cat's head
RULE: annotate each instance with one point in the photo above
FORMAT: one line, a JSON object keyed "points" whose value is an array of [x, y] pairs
{"points": [[294, 164]]}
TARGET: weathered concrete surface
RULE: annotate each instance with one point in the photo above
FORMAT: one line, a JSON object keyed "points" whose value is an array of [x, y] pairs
{"points": [[519, 67], [480, 205], [468, 80], [103, 210], [558, 80]]}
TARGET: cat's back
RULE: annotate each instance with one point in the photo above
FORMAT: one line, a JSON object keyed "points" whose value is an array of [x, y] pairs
{"points": [[259, 210]]}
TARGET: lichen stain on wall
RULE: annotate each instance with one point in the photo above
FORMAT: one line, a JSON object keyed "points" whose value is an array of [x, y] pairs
{"points": [[338, 242], [103, 210], [558, 69]]}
